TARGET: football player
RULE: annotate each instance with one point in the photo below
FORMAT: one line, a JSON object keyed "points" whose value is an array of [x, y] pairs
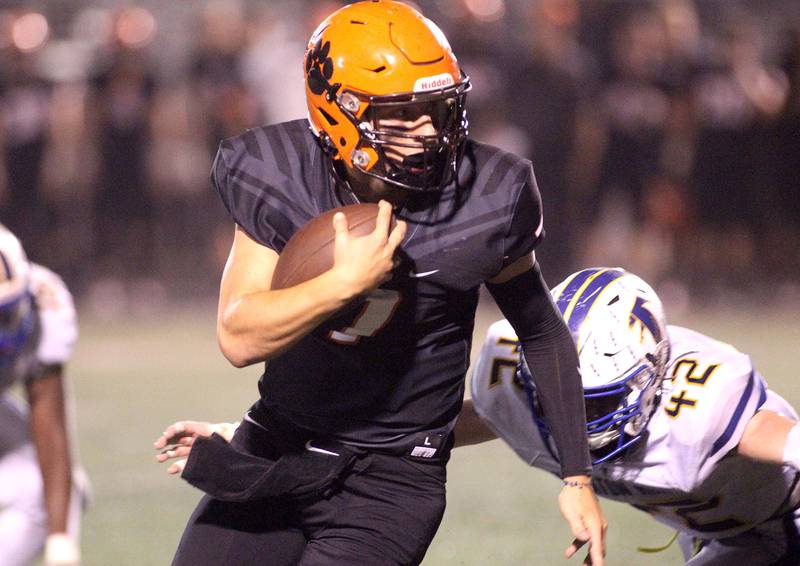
{"points": [[681, 425], [40, 501], [366, 362]]}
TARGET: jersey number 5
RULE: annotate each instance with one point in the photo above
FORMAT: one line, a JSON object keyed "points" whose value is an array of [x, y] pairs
{"points": [[379, 306]]}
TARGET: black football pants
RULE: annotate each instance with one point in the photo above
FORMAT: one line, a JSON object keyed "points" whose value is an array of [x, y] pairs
{"points": [[385, 512]]}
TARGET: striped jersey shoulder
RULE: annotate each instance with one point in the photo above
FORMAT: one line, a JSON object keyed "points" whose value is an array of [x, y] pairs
{"points": [[284, 150], [270, 179], [497, 169], [504, 182]]}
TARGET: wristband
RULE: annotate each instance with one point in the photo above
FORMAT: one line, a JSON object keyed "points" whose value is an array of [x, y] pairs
{"points": [[791, 451], [61, 548]]}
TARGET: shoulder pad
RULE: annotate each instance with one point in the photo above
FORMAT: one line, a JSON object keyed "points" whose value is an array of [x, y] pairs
{"points": [[715, 391], [264, 177], [59, 325]]}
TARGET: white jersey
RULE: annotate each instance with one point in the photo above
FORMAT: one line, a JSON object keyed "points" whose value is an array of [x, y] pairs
{"points": [[55, 330], [23, 510], [684, 471]]}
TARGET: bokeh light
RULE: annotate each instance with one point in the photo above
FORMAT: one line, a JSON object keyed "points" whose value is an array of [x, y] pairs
{"points": [[136, 27], [29, 32], [486, 10]]}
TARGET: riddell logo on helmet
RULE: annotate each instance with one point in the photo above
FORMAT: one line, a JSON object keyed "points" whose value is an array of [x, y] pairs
{"points": [[435, 82]]}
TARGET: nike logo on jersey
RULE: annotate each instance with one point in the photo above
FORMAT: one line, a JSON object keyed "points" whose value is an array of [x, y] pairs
{"points": [[312, 448], [423, 274]]}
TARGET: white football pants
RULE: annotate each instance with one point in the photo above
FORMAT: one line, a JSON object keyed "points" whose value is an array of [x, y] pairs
{"points": [[23, 518]]}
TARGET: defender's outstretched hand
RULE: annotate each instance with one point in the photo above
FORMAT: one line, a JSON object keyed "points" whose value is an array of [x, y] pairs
{"points": [[176, 441], [581, 509]]}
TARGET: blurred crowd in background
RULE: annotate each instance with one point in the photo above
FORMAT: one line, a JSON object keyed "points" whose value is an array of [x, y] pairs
{"points": [[665, 134]]}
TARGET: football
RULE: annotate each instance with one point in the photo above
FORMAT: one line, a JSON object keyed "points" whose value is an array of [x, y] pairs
{"points": [[309, 252]]}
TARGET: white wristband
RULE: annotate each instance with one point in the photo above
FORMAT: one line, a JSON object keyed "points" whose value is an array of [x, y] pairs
{"points": [[225, 430], [791, 451], [61, 548]]}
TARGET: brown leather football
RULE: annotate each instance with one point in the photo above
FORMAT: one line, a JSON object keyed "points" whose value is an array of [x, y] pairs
{"points": [[309, 252]]}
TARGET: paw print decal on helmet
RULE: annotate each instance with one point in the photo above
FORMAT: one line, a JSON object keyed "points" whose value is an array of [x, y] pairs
{"points": [[319, 69]]}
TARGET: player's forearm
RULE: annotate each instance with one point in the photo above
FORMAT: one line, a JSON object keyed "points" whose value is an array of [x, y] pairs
{"points": [[765, 438], [49, 434], [554, 365], [551, 356], [257, 326]]}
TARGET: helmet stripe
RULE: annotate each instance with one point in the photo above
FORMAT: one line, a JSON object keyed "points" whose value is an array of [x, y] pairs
{"points": [[571, 291], [644, 315], [584, 300]]}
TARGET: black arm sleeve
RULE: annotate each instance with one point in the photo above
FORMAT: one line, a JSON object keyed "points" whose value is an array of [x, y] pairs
{"points": [[551, 356]]}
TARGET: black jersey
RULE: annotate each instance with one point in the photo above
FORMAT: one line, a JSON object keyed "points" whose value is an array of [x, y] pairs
{"points": [[395, 363]]}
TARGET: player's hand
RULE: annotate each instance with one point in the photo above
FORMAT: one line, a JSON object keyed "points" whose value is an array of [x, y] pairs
{"points": [[175, 443], [61, 549], [582, 511], [365, 262]]}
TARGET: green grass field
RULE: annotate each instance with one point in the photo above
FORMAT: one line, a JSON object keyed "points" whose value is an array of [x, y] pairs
{"points": [[132, 378]]}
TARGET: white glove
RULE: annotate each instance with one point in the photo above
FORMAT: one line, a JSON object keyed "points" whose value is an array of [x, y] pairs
{"points": [[61, 550]]}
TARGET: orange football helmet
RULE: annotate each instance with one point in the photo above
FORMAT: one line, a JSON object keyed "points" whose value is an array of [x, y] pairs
{"points": [[381, 60]]}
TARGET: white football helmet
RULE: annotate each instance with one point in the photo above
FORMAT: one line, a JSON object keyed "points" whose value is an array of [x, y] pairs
{"points": [[17, 314], [618, 324]]}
